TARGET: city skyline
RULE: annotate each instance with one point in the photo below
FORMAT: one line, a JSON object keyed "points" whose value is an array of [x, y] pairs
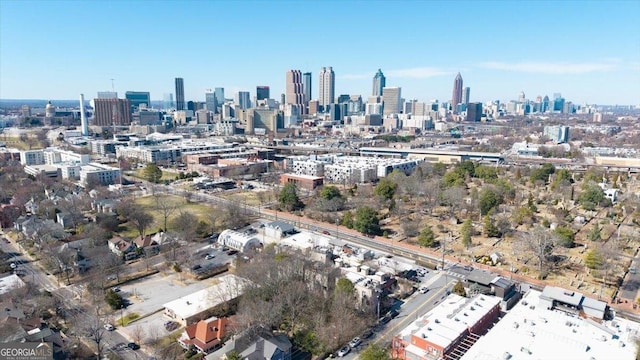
{"points": [[513, 47]]}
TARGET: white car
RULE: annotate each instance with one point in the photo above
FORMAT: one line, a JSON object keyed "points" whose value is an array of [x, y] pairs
{"points": [[209, 257], [109, 327], [344, 351], [423, 290], [355, 342]]}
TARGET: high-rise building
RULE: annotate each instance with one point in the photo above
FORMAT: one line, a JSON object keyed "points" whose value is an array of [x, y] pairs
{"points": [[558, 133], [167, 101], [391, 100], [466, 93], [107, 95], [262, 92], [313, 107], [379, 82], [521, 97], [210, 100], [110, 112], [219, 92], [180, 94], [137, 98], [327, 87], [306, 87], [544, 107], [474, 112], [294, 88], [243, 99], [84, 124], [456, 97]]}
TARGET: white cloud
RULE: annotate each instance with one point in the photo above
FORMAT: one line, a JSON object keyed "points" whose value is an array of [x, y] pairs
{"points": [[551, 68], [410, 73]]}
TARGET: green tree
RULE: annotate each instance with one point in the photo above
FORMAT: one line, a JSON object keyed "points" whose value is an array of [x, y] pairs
{"points": [[152, 173], [347, 220], [466, 230], [427, 238], [458, 288], [453, 178], [366, 221], [386, 189], [489, 199], [593, 259], [592, 195], [542, 173], [375, 352], [562, 177], [595, 233], [566, 236], [288, 198], [233, 355], [113, 299], [486, 173], [345, 286], [330, 192], [490, 229]]}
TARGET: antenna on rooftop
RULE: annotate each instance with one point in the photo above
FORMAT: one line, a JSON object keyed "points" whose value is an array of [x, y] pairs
{"points": [[113, 87]]}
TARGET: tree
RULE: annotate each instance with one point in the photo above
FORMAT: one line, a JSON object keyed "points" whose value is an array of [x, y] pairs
{"points": [[458, 289], [466, 232], [166, 207], [152, 173], [592, 195], [427, 238], [288, 198], [233, 355], [490, 229], [185, 225], [375, 352], [366, 221], [347, 220], [386, 189], [566, 236], [93, 328], [489, 199], [595, 233], [330, 192], [345, 286], [540, 242], [141, 220], [593, 259], [542, 173], [113, 299]]}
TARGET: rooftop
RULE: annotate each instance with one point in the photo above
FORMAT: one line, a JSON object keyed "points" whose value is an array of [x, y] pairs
{"points": [[533, 332], [228, 287]]}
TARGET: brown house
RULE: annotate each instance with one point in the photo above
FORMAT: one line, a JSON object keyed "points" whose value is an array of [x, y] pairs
{"points": [[206, 335]]}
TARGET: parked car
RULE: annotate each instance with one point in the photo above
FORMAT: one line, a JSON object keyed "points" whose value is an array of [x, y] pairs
{"points": [[385, 319], [367, 334], [424, 290], [115, 289], [394, 314], [232, 252], [109, 327], [344, 351], [355, 342], [325, 232], [209, 256], [133, 346], [170, 325]]}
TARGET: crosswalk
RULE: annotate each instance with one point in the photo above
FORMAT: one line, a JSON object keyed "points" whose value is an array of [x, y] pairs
{"points": [[455, 275]]}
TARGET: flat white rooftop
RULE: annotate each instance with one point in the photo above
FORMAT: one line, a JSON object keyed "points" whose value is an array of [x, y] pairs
{"points": [[228, 288], [9, 283], [530, 331]]}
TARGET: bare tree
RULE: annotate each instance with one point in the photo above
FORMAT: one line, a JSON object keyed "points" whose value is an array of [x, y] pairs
{"points": [[137, 334], [166, 207], [185, 225], [141, 220], [540, 242], [92, 327]]}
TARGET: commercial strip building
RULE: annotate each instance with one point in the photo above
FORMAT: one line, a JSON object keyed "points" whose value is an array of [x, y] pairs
{"points": [[199, 305], [238, 241], [448, 330], [531, 330]]}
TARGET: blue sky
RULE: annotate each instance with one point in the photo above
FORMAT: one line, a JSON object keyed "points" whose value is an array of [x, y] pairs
{"points": [[587, 50]]}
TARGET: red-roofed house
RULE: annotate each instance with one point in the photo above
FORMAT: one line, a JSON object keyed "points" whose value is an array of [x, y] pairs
{"points": [[206, 335]]}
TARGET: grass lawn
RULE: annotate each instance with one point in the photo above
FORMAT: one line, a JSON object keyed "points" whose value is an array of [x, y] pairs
{"points": [[166, 175], [128, 319], [242, 197], [148, 203], [15, 142]]}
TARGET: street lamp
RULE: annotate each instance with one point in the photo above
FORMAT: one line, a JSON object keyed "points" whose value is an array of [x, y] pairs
{"points": [[122, 315], [337, 228]]}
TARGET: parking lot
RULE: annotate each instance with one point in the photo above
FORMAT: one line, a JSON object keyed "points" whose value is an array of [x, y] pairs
{"points": [[149, 294]]}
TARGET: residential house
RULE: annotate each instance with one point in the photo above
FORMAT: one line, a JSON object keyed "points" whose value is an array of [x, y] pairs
{"points": [[35, 227], [256, 345], [120, 246], [148, 244], [279, 229], [206, 335], [31, 206], [18, 328]]}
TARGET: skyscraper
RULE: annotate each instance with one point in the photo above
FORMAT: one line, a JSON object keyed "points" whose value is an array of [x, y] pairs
{"points": [[391, 100], [456, 97], [466, 93], [210, 100], [306, 82], [243, 99], [137, 98], [110, 112], [294, 88], [262, 92], [327, 87], [474, 112], [219, 92], [107, 95], [379, 82], [167, 101], [179, 94]]}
